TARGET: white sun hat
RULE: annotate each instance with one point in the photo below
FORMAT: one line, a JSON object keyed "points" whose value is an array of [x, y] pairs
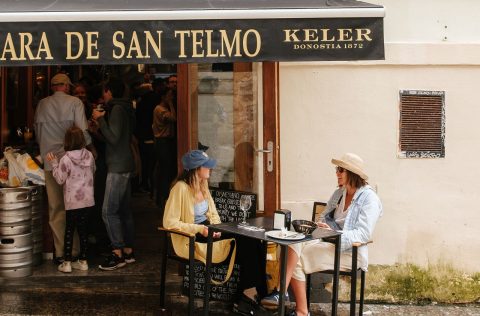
{"points": [[352, 163]]}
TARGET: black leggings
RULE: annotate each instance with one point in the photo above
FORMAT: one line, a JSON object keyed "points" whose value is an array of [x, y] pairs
{"points": [[76, 219]]}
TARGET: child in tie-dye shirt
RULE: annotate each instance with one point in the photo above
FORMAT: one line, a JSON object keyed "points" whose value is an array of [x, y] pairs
{"points": [[75, 171]]}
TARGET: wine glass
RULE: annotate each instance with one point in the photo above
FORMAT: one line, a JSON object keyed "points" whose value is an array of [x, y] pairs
{"points": [[245, 204]]}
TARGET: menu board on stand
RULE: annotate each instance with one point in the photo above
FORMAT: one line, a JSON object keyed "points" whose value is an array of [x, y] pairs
{"points": [[227, 203]]}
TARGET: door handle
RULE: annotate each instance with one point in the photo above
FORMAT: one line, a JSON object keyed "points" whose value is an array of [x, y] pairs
{"points": [[263, 151], [269, 152]]}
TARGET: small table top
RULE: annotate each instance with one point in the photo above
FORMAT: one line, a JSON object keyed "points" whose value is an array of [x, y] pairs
{"points": [[267, 224]]}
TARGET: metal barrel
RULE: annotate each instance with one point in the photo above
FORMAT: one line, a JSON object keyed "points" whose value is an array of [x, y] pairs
{"points": [[15, 232], [37, 193], [16, 256]]}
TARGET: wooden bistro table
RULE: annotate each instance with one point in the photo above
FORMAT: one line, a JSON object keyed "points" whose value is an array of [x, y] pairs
{"points": [[267, 224]]}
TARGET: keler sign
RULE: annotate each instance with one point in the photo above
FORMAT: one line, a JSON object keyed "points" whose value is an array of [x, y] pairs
{"points": [[199, 41]]}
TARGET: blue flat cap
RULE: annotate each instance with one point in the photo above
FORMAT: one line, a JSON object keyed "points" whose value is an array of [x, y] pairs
{"points": [[197, 158]]}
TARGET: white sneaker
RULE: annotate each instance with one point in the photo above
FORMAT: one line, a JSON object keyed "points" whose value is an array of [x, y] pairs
{"points": [[80, 265], [65, 267]]}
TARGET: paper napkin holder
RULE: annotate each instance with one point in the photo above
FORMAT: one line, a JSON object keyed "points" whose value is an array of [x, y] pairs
{"points": [[282, 218]]}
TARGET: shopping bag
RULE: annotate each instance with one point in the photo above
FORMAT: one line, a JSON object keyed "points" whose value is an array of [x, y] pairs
{"points": [[32, 171], [3, 172], [16, 175]]}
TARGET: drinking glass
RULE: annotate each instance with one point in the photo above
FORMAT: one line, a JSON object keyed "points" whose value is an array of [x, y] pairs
{"points": [[245, 204]]}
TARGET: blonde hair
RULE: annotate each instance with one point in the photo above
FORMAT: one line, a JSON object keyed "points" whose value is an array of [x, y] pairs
{"points": [[196, 184]]}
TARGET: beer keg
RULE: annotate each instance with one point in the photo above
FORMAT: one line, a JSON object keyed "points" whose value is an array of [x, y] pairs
{"points": [[37, 194], [15, 232]]}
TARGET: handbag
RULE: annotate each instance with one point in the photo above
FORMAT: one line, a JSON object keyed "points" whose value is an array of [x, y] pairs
{"points": [[220, 251], [330, 218]]}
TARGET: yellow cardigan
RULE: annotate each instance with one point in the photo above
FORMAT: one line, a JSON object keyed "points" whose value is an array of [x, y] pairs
{"points": [[179, 215]]}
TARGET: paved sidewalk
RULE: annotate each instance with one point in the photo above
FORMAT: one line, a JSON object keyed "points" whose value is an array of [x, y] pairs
{"points": [[134, 289], [404, 310]]}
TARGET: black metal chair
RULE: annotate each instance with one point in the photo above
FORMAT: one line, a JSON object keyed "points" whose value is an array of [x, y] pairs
{"points": [[318, 208], [169, 253]]}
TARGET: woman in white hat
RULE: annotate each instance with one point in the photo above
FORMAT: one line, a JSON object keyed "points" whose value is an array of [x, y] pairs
{"points": [[354, 208]]}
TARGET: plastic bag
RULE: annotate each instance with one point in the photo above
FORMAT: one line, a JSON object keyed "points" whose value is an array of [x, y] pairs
{"points": [[16, 175], [3, 172], [32, 171]]}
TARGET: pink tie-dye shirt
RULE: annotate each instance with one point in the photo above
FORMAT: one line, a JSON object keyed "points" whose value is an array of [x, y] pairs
{"points": [[75, 171]]}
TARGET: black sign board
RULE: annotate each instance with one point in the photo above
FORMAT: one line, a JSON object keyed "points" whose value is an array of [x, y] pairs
{"points": [[227, 203], [225, 292], [190, 41]]}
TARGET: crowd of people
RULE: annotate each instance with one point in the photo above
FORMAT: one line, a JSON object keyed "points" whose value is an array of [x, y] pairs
{"points": [[90, 141], [94, 141]]}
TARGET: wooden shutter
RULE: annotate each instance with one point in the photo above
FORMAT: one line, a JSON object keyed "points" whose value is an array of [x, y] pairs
{"points": [[422, 124]]}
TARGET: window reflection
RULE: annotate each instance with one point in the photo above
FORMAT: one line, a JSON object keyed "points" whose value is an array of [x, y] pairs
{"points": [[224, 101]]}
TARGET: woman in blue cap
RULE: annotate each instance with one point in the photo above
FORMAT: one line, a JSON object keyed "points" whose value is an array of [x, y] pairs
{"points": [[190, 208]]}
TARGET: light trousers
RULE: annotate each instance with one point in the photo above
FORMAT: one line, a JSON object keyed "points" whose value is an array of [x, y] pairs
{"points": [[57, 215], [317, 255]]}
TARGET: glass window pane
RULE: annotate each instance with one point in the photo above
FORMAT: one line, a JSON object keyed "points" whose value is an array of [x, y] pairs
{"points": [[224, 122]]}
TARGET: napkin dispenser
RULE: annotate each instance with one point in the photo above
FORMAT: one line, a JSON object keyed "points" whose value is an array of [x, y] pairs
{"points": [[282, 218]]}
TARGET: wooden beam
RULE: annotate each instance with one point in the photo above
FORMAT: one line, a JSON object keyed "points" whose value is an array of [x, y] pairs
{"points": [[271, 132], [184, 127], [3, 101]]}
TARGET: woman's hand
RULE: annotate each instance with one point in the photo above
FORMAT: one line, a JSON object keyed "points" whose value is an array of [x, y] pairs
{"points": [[205, 233], [50, 157], [323, 225]]}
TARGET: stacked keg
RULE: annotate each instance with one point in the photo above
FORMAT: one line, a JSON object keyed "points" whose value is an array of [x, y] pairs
{"points": [[15, 232], [37, 192]]}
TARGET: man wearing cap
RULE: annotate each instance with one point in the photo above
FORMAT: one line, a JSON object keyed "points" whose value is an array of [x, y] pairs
{"points": [[53, 116]]}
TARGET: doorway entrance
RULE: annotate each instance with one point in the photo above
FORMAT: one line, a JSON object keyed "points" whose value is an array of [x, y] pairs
{"points": [[229, 108], [231, 111]]}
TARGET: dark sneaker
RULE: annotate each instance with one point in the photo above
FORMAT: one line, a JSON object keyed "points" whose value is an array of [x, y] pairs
{"points": [[273, 300], [112, 262], [247, 306], [58, 261], [129, 258]]}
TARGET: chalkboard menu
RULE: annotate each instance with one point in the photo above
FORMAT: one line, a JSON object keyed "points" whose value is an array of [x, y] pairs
{"points": [[228, 204], [225, 292]]}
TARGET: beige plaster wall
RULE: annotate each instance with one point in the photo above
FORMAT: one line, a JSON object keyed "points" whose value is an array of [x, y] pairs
{"points": [[431, 206], [431, 21], [431, 211]]}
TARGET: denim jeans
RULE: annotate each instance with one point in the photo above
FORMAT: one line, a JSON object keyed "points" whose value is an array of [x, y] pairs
{"points": [[116, 212]]}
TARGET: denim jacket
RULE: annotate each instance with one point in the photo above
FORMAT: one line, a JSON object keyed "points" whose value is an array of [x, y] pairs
{"points": [[364, 211]]}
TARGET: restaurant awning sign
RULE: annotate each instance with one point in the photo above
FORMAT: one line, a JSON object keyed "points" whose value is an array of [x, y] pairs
{"points": [[176, 36]]}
